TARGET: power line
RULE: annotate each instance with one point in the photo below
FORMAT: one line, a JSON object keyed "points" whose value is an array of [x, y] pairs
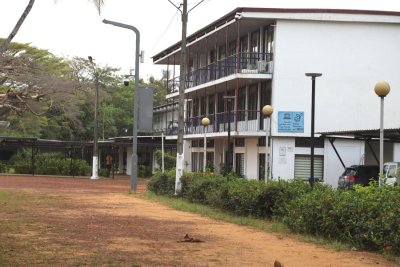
{"points": [[164, 32]]}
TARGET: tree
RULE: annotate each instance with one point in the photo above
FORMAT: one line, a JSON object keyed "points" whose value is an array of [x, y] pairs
{"points": [[33, 82], [5, 45]]}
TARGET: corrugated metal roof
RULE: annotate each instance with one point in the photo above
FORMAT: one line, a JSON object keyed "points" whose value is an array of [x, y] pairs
{"points": [[391, 134]]}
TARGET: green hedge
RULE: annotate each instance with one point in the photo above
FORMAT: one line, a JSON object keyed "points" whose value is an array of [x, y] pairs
{"points": [[162, 183], [366, 217], [49, 164]]}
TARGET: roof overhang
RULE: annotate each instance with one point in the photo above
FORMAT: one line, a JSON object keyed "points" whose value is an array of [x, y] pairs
{"points": [[247, 16], [392, 135]]}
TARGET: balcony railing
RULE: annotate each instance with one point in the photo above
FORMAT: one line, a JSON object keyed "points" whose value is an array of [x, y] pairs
{"points": [[240, 120], [248, 63]]}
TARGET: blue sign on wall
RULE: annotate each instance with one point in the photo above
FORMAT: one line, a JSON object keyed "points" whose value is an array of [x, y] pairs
{"points": [[290, 122]]}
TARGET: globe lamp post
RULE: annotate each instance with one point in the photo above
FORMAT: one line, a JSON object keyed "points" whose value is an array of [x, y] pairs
{"points": [[382, 89], [205, 122], [267, 111]]}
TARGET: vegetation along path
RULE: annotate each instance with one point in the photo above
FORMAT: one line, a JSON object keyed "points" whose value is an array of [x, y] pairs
{"points": [[73, 221]]}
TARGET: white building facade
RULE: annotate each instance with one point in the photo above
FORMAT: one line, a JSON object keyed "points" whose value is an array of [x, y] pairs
{"points": [[252, 57]]}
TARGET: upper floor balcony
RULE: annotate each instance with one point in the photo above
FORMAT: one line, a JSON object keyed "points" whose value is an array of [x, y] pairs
{"points": [[242, 63], [243, 121]]}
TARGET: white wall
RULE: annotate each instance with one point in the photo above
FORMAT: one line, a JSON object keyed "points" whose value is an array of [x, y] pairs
{"points": [[352, 57], [351, 152], [387, 153], [251, 158], [283, 158], [396, 152]]}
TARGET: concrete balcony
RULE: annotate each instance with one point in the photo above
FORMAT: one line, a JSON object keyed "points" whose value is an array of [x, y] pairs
{"points": [[245, 63]]}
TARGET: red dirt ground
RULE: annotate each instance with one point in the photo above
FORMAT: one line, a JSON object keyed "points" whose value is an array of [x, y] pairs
{"points": [[97, 222]]}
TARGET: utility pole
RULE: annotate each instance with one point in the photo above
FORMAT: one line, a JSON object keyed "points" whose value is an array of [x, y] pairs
{"points": [[182, 72], [182, 82]]}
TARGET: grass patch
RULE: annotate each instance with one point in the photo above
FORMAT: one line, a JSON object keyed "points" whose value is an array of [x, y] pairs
{"points": [[216, 214], [262, 224]]}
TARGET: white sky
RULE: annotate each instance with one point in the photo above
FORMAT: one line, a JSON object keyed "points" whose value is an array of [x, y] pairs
{"points": [[74, 28]]}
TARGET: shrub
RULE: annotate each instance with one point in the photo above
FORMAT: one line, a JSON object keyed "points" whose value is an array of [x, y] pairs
{"points": [[162, 183], [23, 168], [197, 187], [3, 168], [311, 213], [278, 194], [366, 217], [169, 159]]}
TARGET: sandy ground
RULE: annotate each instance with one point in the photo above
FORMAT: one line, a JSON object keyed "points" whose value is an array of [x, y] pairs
{"points": [[101, 218]]}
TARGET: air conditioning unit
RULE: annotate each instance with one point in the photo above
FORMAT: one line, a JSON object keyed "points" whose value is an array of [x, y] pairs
{"points": [[262, 66], [270, 65]]}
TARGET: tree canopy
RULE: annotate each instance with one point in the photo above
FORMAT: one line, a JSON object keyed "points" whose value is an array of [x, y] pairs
{"points": [[51, 97]]}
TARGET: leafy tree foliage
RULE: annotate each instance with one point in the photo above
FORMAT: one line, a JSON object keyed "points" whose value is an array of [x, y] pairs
{"points": [[53, 98]]}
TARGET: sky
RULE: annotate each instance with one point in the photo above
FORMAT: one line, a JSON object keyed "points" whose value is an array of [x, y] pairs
{"points": [[71, 28]]}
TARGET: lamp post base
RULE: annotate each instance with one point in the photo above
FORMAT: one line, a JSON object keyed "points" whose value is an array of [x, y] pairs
{"points": [[95, 168]]}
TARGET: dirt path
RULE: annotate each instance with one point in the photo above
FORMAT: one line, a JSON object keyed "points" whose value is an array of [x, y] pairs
{"points": [[98, 222]]}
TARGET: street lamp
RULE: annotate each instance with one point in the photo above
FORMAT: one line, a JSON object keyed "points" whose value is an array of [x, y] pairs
{"points": [[95, 162], [136, 101], [382, 89], [267, 110], [205, 122], [313, 76]]}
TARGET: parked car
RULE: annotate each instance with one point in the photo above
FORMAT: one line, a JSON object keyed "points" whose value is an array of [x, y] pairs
{"points": [[358, 175], [390, 171]]}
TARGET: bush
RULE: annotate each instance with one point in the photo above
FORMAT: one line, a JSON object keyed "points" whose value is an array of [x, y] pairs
{"points": [[366, 217], [49, 164], [311, 213], [3, 168], [197, 187], [23, 168], [278, 194], [169, 159], [162, 183], [241, 196]]}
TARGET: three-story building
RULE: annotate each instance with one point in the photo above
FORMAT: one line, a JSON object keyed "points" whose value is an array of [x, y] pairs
{"points": [[253, 57]]}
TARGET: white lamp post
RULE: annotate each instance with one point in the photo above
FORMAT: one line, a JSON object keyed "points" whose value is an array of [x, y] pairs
{"points": [[95, 161], [267, 110], [205, 122], [382, 89]]}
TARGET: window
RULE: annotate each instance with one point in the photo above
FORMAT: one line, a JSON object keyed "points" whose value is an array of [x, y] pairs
{"points": [[241, 104], [239, 164], [222, 52], [221, 106], [194, 161], [211, 103], [239, 142], [261, 141], [232, 48], [265, 94], [302, 166], [243, 52], [210, 143], [252, 102], [210, 160], [269, 41], [306, 142], [195, 143], [254, 49], [203, 106]]}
